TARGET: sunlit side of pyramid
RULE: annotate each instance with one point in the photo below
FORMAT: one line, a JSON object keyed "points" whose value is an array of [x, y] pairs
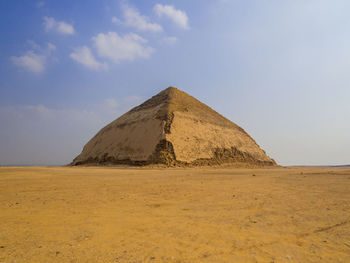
{"points": [[174, 129]]}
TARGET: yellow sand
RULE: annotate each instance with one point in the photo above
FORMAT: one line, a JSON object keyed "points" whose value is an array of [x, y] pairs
{"points": [[77, 214]]}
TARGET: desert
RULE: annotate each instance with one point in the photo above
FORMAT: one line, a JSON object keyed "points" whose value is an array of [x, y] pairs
{"points": [[203, 131], [210, 214]]}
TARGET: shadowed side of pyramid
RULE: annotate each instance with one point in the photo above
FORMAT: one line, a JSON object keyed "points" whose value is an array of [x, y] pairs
{"points": [[172, 128]]}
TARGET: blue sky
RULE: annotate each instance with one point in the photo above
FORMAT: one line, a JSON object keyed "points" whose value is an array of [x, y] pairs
{"points": [[277, 68]]}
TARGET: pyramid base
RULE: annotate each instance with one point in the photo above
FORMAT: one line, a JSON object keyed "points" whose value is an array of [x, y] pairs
{"points": [[164, 155]]}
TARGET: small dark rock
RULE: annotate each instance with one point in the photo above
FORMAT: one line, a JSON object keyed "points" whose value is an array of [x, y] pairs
{"points": [[253, 175], [57, 252], [2, 246]]}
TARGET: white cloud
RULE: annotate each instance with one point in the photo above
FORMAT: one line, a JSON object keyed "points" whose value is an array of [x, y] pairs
{"points": [[179, 17], [84, 56], [117, 48], [65, 28], [34, 61], [134, 19], [58, 26], [30, 61]]}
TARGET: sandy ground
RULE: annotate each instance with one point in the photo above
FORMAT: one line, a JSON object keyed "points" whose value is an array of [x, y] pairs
{"points": [[75, 214]]}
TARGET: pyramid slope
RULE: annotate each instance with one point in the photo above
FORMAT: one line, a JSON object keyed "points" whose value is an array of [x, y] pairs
{"points": [[172, 128]]}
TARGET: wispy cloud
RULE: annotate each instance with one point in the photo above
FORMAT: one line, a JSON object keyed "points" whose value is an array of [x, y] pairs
{"points": [[84, 56], [33, 131], [60, 27], [50, 47], [179, 17], [40, 4], [118, 48], [116, 20], [133, 18], [169, 40], [34, 60]]}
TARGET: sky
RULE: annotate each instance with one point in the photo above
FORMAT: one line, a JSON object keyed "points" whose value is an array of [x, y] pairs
{"points": [[279, 69]]}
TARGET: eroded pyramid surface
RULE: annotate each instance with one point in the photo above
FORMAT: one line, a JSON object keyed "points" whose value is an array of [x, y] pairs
{"points": [[172, 128]]}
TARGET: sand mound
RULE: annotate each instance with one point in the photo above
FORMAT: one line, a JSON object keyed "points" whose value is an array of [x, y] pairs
{"points": [[174, 129]]}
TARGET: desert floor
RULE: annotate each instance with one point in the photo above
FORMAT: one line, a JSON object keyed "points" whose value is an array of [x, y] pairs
{"points": [[70, 214]]}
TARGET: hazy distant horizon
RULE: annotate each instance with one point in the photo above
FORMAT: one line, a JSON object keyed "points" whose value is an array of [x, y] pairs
{"points": [[278, 69], [55, 165]]}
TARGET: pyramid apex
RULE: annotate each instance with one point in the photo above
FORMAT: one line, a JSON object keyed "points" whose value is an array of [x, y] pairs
{"points": [[170, 89]]}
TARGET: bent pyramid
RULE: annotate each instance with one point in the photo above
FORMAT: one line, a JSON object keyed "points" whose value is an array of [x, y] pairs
{"points": [[172, 128]]}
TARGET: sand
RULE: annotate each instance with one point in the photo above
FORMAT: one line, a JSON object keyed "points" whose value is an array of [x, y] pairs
{"points": [[96, 214]]}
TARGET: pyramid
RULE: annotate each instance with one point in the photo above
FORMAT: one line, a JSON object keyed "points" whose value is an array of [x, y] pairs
{"points": [[174, 129]]}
